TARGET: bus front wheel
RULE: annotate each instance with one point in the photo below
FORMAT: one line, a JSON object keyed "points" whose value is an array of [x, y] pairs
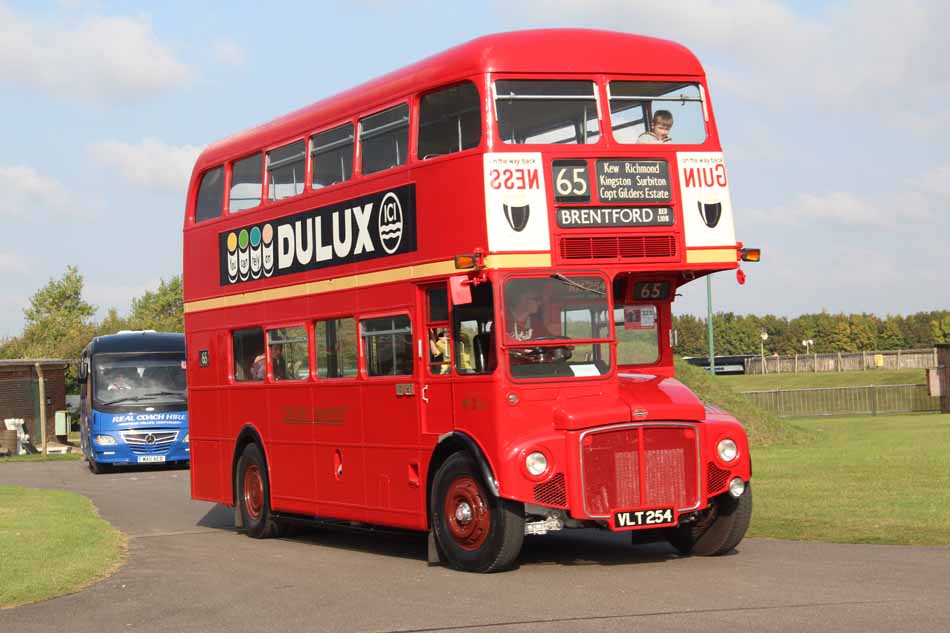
{"points": [[98, 468], [719, 530], [253, 494], [475, 530]]}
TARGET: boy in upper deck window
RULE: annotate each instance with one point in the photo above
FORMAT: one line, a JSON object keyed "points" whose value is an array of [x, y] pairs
{"points": [[660, 128]]}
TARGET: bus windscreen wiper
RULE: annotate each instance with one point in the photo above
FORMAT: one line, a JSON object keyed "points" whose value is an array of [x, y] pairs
{"points": [[571, 282], [126, 399], [165, 393]]}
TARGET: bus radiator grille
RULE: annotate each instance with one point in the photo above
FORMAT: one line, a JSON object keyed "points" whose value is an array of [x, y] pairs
{"points": [[618, 462], [149, 442], [716, 478], [552, 493], [618, 248]]}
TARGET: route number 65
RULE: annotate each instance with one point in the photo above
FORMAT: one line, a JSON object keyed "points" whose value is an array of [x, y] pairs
{"points": [[571, 182]]}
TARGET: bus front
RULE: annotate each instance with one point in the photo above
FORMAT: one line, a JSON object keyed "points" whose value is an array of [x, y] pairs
{"points": [[611, 191], [134, 404]]}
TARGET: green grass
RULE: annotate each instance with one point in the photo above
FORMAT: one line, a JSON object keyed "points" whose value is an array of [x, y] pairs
{"points": [[69, 457], [810, 380], [762, 427], [857, 480], [52, 543]]}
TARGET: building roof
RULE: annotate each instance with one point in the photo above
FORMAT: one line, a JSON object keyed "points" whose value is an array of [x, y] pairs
{"points": [[582, 51]]}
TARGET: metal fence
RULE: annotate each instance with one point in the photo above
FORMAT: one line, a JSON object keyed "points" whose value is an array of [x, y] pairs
{"points": [[843, 361], [870, 400]]}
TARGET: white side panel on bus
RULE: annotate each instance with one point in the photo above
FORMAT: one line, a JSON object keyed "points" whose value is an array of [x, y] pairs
{"points": [[707, 207], [516, 207]]}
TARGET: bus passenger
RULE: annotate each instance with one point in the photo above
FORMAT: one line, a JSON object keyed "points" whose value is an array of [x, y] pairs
{"points": [[660, 128], [438, 351]]}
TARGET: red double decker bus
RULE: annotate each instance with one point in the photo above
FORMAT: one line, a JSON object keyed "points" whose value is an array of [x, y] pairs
{"points": [[441, 301]]}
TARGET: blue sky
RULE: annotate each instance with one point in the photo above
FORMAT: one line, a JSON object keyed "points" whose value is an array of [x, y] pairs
{"points": [[834, 120]]}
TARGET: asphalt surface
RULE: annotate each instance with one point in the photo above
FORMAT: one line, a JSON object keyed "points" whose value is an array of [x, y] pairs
{"points": [[189, 570]]}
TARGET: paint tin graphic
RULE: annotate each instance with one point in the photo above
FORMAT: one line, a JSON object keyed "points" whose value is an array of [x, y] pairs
{"points": [[710, 212], [244, 257], [267, 249], [232, 257], [255, 252], [517, 210]]}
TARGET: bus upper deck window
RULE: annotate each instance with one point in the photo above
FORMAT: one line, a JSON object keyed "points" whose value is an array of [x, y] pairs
{"points": [[285, 171], [546, 112], [246, 182], [332, 156], [210, 195], [384, 139], [677, 107], [449, 121]]}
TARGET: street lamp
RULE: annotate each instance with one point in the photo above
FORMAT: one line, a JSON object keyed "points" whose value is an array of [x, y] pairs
{"points": [[808, 343], [763, 335]]}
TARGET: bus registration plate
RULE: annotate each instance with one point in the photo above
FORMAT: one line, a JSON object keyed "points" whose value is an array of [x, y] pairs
{"points": [[641, 519], [151, 458]]}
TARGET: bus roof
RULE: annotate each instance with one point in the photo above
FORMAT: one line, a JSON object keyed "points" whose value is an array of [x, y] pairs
{"points": [[533, 51], [136, 342]]}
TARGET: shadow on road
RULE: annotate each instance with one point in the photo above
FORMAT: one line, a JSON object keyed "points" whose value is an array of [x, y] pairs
{"points": [[568, 547]]}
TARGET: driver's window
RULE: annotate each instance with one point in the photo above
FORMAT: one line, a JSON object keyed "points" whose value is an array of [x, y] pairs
{"points": [[473, 332]]}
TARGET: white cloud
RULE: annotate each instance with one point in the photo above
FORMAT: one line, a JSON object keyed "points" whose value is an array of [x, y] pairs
{"points": [[120, 297], [12, 263], [24, 192], [228, 52], [97, 59], [767, 52], [937, 181], [151, 162], [838, 207]]}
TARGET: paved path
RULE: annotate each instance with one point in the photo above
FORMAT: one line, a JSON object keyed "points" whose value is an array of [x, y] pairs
{"points": [[188, 570]]}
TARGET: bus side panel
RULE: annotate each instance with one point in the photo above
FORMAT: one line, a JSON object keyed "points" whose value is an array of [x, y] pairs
{"points": [[291, 448], [204, 425]]}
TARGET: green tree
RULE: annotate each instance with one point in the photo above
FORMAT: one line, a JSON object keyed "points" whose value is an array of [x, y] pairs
{"points": [[891, 336], [161, 310], [863, 331], [690, 335], [58, 319], [941, 329]]}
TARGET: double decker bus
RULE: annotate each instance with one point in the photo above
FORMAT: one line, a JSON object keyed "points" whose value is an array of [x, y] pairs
{"points": [[441, 301]]}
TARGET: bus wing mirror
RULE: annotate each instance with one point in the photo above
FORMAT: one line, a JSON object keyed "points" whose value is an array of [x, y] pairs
{"points": [[461, 290], [83, 371]]}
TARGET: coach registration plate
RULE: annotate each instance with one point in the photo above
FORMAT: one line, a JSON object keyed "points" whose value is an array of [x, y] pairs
{"points": [[151, 458], [634, 519]]}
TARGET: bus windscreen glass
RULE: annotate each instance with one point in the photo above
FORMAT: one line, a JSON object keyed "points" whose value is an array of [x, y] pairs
{"points": [[549, 313], [145, 378], [657, 112], [546, 112]]}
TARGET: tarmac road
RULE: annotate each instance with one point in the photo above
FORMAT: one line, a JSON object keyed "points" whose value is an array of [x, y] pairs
{"points": [[189, 570]]}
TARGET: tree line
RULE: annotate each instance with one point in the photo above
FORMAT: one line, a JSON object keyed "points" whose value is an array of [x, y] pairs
{"points": [[59, 322], [741, 334]]}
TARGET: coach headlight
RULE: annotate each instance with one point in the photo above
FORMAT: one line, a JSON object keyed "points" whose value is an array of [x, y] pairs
{"points": [[727, 450], [105, 440], [536, 463], [186, 439]]}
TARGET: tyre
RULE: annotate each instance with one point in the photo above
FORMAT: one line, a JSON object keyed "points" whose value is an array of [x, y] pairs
{"points": [[475, 530], [253, 494], [98, 468], [719, 530]]}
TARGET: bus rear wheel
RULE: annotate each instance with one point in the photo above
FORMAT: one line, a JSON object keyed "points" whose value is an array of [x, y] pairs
{"points": [[719, 530], [475, 530], [253, 494]]}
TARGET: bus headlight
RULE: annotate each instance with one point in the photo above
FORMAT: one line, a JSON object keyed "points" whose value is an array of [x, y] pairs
{"points": [[186, 439], [536, 463], [105, 440], [727, 449]]}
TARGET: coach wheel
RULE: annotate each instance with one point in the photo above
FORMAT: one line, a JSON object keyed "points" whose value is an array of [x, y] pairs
{"points": [[98, 468], [719, 530], [253, 492], [475, 530]]}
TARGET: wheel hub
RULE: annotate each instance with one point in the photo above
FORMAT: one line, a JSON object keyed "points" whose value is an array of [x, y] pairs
{"points": [[463, 513], [467, 515]]}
